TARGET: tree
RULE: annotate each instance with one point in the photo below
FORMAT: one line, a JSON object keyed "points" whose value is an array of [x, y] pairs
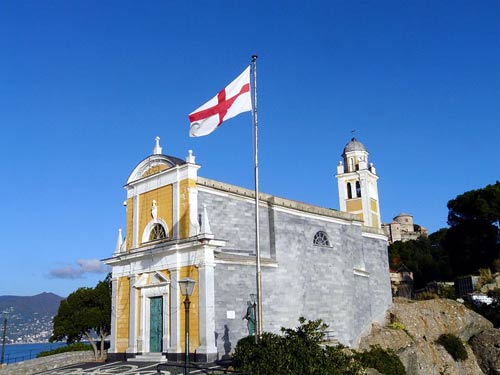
{"points": [[481, 205], [425, 257], [85, 311], [472, 241]]}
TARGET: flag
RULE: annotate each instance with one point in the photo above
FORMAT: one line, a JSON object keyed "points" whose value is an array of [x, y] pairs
{"points": [[230, 102]]}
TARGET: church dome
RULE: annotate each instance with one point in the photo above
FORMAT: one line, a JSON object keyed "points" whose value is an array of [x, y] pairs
{"points": [[154, 163], [353, 145]]}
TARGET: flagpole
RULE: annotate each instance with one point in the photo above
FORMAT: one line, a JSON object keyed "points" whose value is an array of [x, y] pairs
{"points": [[257, 222]]}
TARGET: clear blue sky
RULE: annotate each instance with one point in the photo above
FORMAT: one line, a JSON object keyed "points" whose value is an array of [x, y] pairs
{"points": [[85, 86]]}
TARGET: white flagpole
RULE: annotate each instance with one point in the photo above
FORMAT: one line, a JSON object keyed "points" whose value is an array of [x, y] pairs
{"points": [[257, 223]]}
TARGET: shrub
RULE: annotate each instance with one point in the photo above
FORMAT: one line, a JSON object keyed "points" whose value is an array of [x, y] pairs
{"points": [[384, 361], [77, 347], [453, 345], [485, 277], [447, 291], [425, 296], [496, 265], [397, 325], [263, 358], [295, 352]]}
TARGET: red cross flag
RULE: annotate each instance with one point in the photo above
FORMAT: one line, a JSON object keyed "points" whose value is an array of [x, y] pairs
{"points": [[230, 102]]}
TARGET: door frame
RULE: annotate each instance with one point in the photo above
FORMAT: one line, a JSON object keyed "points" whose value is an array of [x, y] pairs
{"points": [[148, 292]]}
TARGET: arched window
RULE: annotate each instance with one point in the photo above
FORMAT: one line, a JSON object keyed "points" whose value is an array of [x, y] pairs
{"points": [[358, 189], [321, 239], [157, 232], [349, 191]]}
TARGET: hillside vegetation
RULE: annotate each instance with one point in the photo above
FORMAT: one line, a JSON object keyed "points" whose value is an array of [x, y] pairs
{"points": [[471, 243]]}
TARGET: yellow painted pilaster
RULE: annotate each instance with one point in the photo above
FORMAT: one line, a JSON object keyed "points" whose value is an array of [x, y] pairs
{"points": [[194, 338], [122, 314], [184, 187], [130, 221]]}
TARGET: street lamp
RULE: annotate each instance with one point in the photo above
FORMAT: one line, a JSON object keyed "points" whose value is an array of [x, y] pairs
{"points": [[187, 287], [5, 315]]}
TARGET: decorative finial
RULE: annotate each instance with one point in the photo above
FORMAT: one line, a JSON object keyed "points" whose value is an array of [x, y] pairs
{"points": [[157, 148], [119, 242], [205, 223], [352, 132], [190, 158]]}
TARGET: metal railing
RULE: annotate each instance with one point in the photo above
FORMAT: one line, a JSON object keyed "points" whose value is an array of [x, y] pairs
{"points": [[20, 356]]}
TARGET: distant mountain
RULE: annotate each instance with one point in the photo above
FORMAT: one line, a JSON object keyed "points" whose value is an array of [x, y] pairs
{"points": [[30, 317], [43, 304]]}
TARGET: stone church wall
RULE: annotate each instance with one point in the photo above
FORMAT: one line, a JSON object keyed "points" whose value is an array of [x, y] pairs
{"points": [[346, 284]]}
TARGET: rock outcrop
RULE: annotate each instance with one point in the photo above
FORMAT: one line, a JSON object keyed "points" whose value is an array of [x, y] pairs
{"points": [[486, 347], [413, 328]]}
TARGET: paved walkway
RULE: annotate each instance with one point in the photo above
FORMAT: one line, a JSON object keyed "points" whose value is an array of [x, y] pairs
{"points": [[114, 368]]}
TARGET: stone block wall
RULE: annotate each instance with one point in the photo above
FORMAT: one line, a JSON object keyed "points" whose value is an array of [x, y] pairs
{"points": [[346, 284]]}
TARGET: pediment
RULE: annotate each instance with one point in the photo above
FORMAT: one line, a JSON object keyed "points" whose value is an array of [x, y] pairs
{"points": [[151, 279]]}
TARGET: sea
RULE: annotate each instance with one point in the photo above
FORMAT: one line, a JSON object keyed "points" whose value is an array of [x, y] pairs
{"points": [[22, 352]]}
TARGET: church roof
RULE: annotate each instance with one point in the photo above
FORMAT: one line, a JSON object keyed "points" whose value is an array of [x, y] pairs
{"points": [[154, 164], [353, 145]]}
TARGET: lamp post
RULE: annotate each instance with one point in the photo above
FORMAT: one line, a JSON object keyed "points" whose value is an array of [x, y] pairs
{"points": [[5, 315], [253, 299], [187, 287]]}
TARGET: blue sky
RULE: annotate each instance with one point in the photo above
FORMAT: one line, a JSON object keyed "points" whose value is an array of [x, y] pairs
{"points": [[85, 86]]}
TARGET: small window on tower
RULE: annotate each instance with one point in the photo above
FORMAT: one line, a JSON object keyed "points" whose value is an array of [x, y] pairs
{"points": [[349, 191], [157, 233], [321, 239], [358, 189]]}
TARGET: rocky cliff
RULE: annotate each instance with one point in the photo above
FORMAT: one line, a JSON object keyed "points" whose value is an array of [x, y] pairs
{"points": [[412, 330]]}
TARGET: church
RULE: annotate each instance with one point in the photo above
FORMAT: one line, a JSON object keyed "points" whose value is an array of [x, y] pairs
{"points": [[316, 262]]}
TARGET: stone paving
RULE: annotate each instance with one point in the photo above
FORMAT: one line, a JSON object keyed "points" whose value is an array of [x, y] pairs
{"points": [[113, 368]]}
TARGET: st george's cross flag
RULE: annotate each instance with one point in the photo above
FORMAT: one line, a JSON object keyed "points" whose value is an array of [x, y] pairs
{"points": [[228, 103]]}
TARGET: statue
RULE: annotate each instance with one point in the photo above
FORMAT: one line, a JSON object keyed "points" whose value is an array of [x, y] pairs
{"points": [[250, 317], [154, 209]]}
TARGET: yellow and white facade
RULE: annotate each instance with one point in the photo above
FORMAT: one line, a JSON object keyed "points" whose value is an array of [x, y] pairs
{"points": [[163, 245]]}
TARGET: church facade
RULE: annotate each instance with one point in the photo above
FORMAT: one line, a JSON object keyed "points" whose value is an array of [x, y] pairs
{"points": [[316, 262]]}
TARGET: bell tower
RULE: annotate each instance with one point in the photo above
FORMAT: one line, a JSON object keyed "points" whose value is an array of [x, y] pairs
{"points": [[357, 180]]}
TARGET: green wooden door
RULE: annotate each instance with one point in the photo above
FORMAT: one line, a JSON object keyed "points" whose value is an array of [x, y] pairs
{"points": [[155, 324]]}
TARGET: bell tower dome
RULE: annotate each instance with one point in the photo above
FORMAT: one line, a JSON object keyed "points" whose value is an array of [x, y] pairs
{"points": [[357, 180]]}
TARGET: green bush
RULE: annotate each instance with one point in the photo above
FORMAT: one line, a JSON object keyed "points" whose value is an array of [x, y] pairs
{"points": [[425, 296], [295, 352], [384, 361], [453, 345], [77, 347], [447, 291], [397, 325]]}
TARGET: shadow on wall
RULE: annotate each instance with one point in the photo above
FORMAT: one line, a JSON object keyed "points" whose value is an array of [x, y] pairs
{"points": [[227, 342]]}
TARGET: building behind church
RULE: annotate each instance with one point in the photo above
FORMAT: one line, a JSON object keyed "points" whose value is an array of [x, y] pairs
{"points": [[402, 228], [317, 263]]}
